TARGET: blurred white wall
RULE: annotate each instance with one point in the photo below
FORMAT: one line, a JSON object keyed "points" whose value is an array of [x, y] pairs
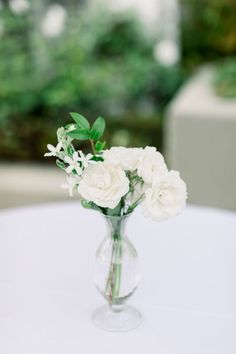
{"points": [[201, 141]]}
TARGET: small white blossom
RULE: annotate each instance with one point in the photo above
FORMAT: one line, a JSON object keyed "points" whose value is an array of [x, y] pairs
{"points": [[71, 127], [63, 138], [85, 159], [166, 197], [71, 185], [61, 133], [54, 150], [74, 163]]}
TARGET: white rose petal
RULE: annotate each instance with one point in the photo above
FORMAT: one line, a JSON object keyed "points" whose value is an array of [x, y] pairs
{"points": [[151, 165], [126, 158], [166, 197], [104, 184]]}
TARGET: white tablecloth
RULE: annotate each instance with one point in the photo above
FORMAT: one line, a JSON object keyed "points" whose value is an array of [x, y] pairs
{"points": [[187, 295]]}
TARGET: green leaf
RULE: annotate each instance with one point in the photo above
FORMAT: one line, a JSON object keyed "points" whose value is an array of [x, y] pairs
{"points": [[86, 204], [70, 150], [80, 134], [135, 204], [99, 146], [60, 164], [81, 121], [116, 211], [97, 158], [97, 129], [90, 205]]}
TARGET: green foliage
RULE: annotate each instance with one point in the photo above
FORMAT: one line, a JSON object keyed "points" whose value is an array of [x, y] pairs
{"points": [[82, 129], [208, 30], [18, 90], [99, 64], [99, 146], [81, 122], [97, 129], [90, 205], [70, 150], [225, 79], [112, 68], [80, 134], [61, 164]]}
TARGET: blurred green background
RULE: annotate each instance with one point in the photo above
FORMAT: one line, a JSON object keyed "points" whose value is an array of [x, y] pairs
{"points": [[100, 63]]}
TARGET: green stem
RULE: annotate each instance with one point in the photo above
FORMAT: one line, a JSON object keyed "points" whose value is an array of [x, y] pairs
{"points": [[93, 147], [115, 269], [135, 204]]}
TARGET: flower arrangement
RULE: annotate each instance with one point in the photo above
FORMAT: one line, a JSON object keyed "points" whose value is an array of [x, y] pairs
{"points": [[115, 181]]}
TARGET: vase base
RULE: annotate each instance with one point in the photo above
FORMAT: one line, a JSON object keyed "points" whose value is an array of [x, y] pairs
{"points": [[117, 320]]}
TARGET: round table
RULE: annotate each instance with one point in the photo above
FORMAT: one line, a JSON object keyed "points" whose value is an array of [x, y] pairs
{"points": [[187, 295]]}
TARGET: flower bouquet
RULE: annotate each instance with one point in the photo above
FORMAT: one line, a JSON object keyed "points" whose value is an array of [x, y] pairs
{"points": [[114, 182]]}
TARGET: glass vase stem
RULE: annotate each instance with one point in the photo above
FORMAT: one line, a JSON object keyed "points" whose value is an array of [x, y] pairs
{"points": [[116, 278], [115, 270]]}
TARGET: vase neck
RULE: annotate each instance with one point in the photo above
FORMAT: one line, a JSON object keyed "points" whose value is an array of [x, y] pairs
{"points": [[116, 226]]}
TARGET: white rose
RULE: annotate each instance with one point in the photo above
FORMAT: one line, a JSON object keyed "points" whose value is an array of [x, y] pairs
{"points": [[104, 184], [151, 165], [126, 158], [166, 197]]}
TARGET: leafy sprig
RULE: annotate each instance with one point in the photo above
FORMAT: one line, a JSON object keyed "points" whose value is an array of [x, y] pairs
{"points": [[74, 162], [82, 130]]}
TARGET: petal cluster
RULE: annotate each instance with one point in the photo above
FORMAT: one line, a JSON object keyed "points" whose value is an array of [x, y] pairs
{"points": [[151, 165], [125, 158], [162, 193], [166, 197], [121, 177], [104, 184]]}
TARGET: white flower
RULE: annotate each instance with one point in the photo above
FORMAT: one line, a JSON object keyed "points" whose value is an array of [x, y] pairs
{"points": [[104, 184], [166, 197], [151, 164], [85, 159], [71, 127], [126, 158], [63, 138], [73, 163], [71, 185], [54, 151]]}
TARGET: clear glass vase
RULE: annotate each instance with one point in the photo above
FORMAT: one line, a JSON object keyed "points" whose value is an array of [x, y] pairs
{"points": [[116, 277]]}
